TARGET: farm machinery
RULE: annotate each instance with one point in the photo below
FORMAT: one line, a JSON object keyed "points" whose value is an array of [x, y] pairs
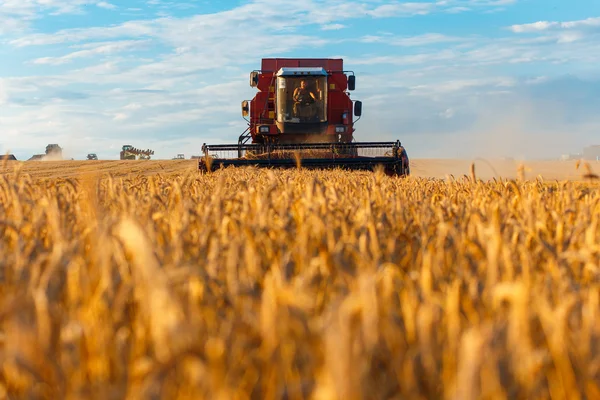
{"points": [[53, 152], [302, 115], [128, 152]]}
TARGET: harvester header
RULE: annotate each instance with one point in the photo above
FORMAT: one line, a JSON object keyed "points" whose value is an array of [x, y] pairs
{"points": [[303, 113]]}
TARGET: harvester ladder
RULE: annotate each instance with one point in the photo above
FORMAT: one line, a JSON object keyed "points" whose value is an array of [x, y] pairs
{"points": [[242, 140]]}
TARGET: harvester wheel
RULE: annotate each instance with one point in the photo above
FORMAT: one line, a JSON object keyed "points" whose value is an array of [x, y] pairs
{"points": [[405, 162]]}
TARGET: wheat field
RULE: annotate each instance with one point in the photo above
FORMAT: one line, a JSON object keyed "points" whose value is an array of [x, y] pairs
{"points": [[258, 284]]}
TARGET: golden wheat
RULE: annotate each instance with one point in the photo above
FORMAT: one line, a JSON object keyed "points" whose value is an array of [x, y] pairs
{"points": [[256, 284]]}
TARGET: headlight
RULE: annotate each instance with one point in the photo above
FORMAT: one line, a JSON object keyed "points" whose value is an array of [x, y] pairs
{"points": [[340, 129]]}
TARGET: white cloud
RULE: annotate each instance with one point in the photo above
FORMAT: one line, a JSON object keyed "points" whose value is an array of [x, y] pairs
{"points": [[371, 39], [333, 27], [104, 4], [537, 80], [94, 49], [569, 37], [132, 106], [126, 30], [449, 86], [412, 41], [258, 14], [482, 52], [3, 92], [404, 60], [10, 24], [547, 25], [18, 14], [120, 117], [457, 10], [398, 8], [533, 27], [589, 22], [447, 113]]}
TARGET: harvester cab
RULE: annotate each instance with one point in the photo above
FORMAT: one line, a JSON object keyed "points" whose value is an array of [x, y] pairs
{"points": [[303, 113]]}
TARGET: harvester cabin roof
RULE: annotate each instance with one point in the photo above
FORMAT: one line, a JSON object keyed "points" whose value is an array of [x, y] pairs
{"points": [[299, 71], [273, 64]]}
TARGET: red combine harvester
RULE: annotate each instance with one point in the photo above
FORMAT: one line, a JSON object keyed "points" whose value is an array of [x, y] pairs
{"points": [[303, 114]]}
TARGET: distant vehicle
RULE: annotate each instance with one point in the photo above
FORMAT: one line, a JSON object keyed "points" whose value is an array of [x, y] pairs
{"points": [[92, 156], [128, 152], [179, 157], [54, 152]]}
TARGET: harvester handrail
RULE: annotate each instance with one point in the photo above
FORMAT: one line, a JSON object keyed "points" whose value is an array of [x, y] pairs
{"points": [[302, 146]]}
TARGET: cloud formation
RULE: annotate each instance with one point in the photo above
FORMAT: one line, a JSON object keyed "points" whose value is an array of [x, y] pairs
{"points": [[540, 26], [172, 75]]}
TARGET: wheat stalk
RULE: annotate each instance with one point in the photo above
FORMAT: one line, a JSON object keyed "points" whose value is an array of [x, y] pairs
{"points": [[249, 283]]}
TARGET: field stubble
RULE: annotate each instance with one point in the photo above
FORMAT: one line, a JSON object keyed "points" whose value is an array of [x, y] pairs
{"points": [[319, 285]]}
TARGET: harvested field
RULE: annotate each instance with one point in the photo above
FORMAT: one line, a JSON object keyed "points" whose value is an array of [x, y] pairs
{"points": [[424, 168], [70, 169], [159, 282]]}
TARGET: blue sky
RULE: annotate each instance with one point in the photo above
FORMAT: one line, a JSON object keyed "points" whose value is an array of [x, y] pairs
{"points": [[449, 78]]}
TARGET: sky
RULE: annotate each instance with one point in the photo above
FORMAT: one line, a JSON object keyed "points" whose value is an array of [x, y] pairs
{"points": [[448, 78]]}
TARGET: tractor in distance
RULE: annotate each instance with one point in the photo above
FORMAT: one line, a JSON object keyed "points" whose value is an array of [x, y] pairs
{"points": [[128, 152], [303, 113]]}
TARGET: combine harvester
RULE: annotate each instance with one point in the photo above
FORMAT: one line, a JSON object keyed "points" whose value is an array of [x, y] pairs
{"points": [[303, 115], [53, 153]]}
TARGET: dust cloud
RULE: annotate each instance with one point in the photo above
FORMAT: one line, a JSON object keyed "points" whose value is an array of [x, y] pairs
{"points": [[522, 131]]}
